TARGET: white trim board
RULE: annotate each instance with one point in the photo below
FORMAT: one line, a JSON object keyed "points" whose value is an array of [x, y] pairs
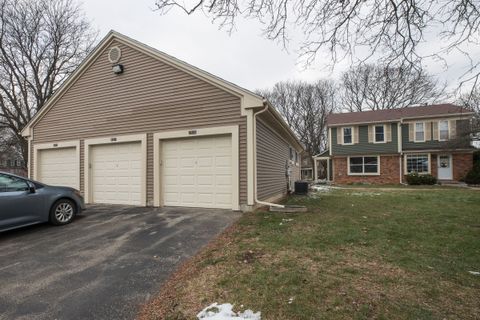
{"points": [[142, 138], [202, 132], [56, 145]]}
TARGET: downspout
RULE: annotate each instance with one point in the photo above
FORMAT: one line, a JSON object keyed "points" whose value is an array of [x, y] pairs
{"points": [[255, 159], [400, 149]]}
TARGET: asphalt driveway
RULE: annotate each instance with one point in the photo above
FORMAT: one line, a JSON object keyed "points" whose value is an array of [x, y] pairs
{"points": [[102, 266]]}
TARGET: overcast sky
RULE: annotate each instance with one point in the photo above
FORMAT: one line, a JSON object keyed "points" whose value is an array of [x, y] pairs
{"points": [[245, 57]]}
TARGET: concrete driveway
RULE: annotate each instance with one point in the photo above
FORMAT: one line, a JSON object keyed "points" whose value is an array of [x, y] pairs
{"points": [[104, 265]]}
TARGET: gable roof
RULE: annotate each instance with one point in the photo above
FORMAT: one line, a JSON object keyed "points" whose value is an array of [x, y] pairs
{"points": [[394, 115], [248, 98]]}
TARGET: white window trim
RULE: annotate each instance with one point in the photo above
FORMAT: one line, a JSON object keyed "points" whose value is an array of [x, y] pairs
{"points": [[142, 138], [364, 174], [417, 154], [415, 131], [375, 133], [57, 145], [158, 137], [343, 138], [439, 131]]}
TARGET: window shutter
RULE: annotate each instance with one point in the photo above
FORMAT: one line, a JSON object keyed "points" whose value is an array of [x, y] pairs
{"points": [[411, 132], [428, 131], [370, 134], [339, 135], [388, 132], [435, 131], [452, 127], [356, 135]]}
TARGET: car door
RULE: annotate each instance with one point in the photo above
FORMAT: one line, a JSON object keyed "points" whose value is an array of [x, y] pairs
{"points": [[18, 205]]}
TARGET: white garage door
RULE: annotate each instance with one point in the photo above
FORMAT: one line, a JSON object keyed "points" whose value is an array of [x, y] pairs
{"points": [[58, 167], [116, 171], [197, 172]]}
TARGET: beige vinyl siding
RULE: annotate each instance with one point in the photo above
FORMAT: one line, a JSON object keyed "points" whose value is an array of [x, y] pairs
{"points": [[150, 96], [273, 153]]}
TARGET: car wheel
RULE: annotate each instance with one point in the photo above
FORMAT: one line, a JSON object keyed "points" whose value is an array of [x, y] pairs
{"points": [[62, 212]]}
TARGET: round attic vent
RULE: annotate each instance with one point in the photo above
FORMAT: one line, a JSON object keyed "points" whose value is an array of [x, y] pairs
{"points": [[114, 54]]}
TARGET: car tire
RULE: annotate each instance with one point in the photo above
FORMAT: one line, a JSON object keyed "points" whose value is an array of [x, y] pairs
{"points": [[62, 212]]}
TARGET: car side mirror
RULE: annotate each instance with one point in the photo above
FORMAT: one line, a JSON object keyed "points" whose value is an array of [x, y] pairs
{"points": [[31, 187]]}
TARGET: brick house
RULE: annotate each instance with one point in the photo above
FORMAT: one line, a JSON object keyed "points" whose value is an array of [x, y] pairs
{"points": [[11, 163], [381, 147]]}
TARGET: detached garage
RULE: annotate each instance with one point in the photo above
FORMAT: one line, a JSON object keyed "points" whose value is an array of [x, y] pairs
{"points": [[135, 126]]}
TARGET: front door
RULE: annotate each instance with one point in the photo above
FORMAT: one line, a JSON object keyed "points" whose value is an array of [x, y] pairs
{"points": [[445, 167]]}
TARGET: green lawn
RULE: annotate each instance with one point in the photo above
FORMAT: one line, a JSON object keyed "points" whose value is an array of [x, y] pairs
{"points": [[357, 254]]}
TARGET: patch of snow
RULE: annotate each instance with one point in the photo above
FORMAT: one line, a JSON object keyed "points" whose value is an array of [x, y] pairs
{"points": [[225, 311], [366, 193], [475, 273], [284, 221], [321, 188]]}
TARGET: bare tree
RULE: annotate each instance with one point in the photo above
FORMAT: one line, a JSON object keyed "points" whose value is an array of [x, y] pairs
{"points": [[471, 101], [305, 108], [394, 31], [41, 43], [377, 87]]}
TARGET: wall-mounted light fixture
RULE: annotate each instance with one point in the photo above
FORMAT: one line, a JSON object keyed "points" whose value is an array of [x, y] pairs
{"points": [[117, 68]]}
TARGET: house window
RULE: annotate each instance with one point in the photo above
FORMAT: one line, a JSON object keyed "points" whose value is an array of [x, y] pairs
{"points": [[418, 163], [296, 157], [443, 128], [380, 133], [419, 132], [292, 156], [363, 165], [347, 135]]}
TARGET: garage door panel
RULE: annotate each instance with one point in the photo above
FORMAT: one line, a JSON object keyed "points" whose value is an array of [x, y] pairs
{"points": [[205, 162], [205, 180], [197, 172], [223, 161], [116, 173], [223, 180], [58, 167]]}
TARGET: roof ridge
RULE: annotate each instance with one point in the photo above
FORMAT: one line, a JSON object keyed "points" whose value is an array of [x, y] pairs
{"points": [[368, 116]]}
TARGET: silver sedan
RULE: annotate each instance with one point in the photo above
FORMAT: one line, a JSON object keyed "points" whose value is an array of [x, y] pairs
{"points": [[25, 202]]}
